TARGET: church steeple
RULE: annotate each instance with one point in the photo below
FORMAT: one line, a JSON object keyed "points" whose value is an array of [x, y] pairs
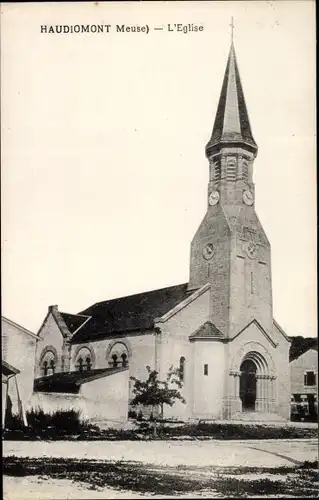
{"points": [[230, 249], [231, 127]]}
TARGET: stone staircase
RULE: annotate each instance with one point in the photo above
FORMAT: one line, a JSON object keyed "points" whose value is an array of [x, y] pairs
{"points": [[112, 424], [256, 417]]}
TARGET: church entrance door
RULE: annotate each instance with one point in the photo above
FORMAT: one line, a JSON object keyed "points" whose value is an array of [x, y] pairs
{"points": [[248, 384]]}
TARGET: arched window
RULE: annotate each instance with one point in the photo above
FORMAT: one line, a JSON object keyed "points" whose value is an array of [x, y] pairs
{"points": [[52, 366], [48, 363], [79, 364], [182, 363], [124, 358], [45, 367], [88, 363], [115, 362], [118, 356], [84, 361]]}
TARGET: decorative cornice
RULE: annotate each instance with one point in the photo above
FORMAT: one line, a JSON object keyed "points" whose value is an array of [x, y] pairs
{"points": [[211, 339]]}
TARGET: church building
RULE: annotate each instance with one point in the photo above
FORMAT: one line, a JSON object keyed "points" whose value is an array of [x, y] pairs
{"points": [[218, 329]]}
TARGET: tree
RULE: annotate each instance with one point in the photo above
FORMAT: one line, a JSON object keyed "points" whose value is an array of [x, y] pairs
{"points": [[155, 393]]}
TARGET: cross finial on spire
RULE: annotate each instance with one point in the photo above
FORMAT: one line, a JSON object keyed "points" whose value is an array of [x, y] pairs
{"points": [[232, 29]]}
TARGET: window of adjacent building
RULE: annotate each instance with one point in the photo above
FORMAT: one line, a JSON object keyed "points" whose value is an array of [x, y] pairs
{"points": [[205, 369], [310, 378], [182, 369]]}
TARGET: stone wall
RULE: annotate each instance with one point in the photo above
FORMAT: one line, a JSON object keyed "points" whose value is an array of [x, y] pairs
{"points": [[140, 348], [50, 402], [100, 400], [176, 327], [50, 336], [209, 384], [106, 398]]}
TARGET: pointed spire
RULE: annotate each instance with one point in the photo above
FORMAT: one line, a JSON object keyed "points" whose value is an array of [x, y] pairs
{"points": [[232, 29], [231, 125]]}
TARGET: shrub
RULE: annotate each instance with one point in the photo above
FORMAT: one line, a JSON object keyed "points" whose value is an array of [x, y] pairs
{"points": [[69, 425], [49, 425], [132, 414], [68, 422]]}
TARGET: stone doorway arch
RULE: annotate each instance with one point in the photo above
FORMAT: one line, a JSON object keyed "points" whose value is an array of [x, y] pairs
{"points": [[248, 385], [252, 380]]}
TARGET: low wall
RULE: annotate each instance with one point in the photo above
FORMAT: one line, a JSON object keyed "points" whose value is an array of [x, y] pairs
{"points": [[107, 397], [99, 400], [50, 402]]}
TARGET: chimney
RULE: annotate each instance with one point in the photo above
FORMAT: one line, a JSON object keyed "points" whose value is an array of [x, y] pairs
{"points": [[52, 308]]}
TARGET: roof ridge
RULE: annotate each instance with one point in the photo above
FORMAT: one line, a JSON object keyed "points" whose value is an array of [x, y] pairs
{"points": [[216, 332], [135, 312], [139, 293], [75, 314]]}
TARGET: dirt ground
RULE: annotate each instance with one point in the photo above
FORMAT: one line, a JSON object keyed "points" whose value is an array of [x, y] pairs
{"points": [[254, 453], [65, 478], [42, 470]]}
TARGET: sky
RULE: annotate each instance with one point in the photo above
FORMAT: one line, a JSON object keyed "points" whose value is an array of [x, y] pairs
{"points": [[104, 175]]}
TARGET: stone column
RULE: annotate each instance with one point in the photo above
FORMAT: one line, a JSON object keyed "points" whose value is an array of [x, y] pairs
{"points": [[267, 394], [235, 403], [259, 391], [264, 395], [272, 399], [238, 405], [270, 394]]}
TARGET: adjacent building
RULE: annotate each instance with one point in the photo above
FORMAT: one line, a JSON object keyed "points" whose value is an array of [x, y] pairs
{"points": [[304, 375], [18, 346]]}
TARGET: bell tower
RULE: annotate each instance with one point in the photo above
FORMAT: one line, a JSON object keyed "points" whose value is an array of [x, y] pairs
{"points": [[230, 249]]}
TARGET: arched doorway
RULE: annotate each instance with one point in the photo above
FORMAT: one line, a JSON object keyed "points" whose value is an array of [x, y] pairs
{"points": [[248, 385]]}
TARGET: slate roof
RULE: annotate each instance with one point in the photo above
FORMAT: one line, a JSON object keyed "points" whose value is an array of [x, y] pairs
{"points": [[132, 313], [70, 382], [299, 345], [73, 321], [231, 121], [207, 330]]}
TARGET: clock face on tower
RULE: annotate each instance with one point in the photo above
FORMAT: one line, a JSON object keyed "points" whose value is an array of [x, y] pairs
{"points": [[208, 251], [213, 198], [248, 197]]}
